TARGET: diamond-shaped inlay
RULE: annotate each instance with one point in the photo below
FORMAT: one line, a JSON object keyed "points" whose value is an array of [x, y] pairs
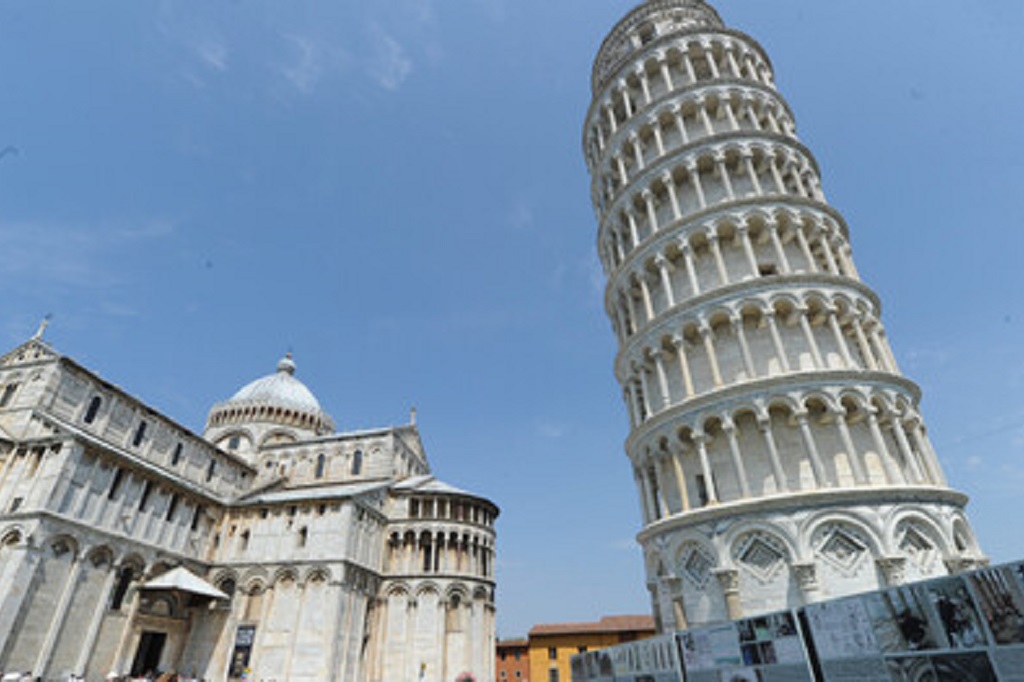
{"points": [[842, 548], [916, 546], [761, 556], [698, 566]]}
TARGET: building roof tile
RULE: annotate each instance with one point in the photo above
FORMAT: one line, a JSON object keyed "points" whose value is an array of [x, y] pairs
{"points": [[606, 624]]}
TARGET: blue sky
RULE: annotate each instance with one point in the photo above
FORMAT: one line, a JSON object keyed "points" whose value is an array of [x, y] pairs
{"points": [[395, 191]]}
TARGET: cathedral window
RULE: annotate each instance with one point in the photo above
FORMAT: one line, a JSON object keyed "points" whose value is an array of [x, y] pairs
{"points": [[234, 442], [140, 434], [303, 536], [414, 509], [228, 587], [124, 580], [243, 541], [196, 515], [254, 603], [16, 504], [357, 462], [8, 393], [146, 490], [427, 555], [172, 506], [321, 464], [176, 457], [211, 470], [115, 485], [93, 409]]}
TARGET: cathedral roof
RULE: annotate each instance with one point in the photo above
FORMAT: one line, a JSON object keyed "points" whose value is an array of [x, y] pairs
{"points": [[320, 492], [428, 484]]}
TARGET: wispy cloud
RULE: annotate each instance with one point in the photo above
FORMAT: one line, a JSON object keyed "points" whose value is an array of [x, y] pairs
{"points": [[212, 53], [204, 48], [551, 429], [936, 356], [455, 324], [623, 545], [389, 63], [303, 71], [66, 256], [521, 216]]}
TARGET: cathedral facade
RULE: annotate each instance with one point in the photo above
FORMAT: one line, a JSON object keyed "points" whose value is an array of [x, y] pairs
{"points": [[270, 544], [779, 454]]}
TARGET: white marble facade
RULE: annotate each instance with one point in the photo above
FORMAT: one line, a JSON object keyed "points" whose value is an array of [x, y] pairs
{"points": [[341, 556], [778, 452]]}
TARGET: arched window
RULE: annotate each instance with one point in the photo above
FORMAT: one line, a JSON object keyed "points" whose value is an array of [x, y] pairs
{"points": [[357, 462], [254, 603], [211, 470], [124, 580], [227, 586], [172, 506], [176, 457], [93, 409], [303, 536], [197, 515], [8, 393], [243, 541], [140, 433], [321, 464], [115, 485]]}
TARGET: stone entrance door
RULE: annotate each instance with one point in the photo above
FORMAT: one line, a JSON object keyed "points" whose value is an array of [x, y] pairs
{"points": [[147, 656]]}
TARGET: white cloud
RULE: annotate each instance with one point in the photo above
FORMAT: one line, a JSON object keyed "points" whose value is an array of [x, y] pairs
{"points": [[551, 429], [66, 256], [212, 53], [623, 545], [389, 64], [521, 216], [305, 70], [930, 357]]}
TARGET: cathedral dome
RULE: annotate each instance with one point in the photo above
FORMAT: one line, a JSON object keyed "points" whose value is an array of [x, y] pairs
{"points": [[280, 388], [276, 406]]}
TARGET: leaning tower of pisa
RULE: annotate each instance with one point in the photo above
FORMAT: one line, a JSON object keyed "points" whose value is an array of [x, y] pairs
{"points": [[778, 451]]}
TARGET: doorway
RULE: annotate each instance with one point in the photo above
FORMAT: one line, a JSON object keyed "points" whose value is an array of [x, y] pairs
{"points": [[147, 656]]}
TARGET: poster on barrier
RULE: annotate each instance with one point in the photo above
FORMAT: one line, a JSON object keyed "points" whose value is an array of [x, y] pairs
{"points": [[967, 627], [765, 648], [593, 666], [655, 659]]}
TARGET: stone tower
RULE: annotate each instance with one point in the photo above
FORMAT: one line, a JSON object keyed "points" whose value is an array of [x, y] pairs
{"points": [[778, 452]]}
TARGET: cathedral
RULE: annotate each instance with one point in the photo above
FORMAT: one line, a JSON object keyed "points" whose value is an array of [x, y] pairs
{"points": [[270, 546], [779, 454]]}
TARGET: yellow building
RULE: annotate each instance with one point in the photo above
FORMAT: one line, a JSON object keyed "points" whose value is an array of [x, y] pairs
{"points": [[552, 645]]}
